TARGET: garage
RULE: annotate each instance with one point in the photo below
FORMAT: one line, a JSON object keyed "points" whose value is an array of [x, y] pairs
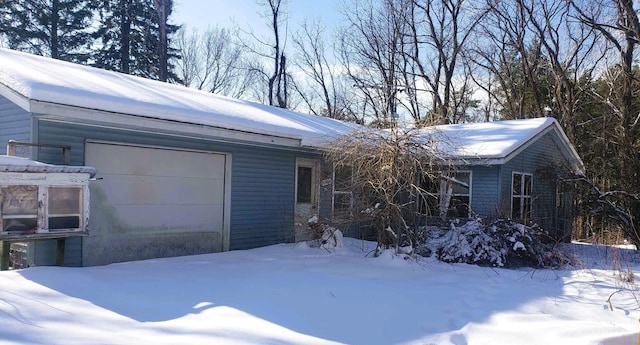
{"points": [[156, 199]]}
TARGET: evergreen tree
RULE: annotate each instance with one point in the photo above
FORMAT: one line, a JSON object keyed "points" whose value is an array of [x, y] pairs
{"points": [[54, 28], [165, 50], [129, 34], [163, 10]]}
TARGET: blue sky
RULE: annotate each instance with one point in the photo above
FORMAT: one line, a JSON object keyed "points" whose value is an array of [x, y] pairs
{"points": [[201, 14]]}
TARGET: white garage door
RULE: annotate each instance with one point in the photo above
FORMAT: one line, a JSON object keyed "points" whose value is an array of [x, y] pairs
{"points": [[161, 188]]}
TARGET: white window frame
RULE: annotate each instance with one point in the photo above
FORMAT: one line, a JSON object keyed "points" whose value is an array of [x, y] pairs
{"points": [[43, 182], [442, 193], [521, 196], [341, 192]]}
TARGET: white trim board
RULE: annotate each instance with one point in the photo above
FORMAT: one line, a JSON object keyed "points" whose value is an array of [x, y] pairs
{"points": [[73, 114]]}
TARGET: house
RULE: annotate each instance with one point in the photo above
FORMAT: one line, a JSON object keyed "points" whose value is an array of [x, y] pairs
{"points": [[518, 169], [181, 172]]}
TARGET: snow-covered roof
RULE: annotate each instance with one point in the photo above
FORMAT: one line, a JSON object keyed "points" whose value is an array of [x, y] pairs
{"points": [[499, 141], [48, 80], [40, 80], [19, 164]]}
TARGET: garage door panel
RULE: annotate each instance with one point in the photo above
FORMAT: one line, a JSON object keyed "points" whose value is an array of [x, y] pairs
{"points": [[138, 190], [161, 189], [180, 164], [152, 162], [171, 218]]}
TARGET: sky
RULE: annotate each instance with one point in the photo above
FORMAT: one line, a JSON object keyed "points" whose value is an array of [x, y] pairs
{"points": [[201, 14]]}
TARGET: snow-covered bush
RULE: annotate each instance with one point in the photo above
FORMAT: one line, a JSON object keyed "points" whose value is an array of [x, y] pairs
{"points": [[471, 242], [325, 236], [331, 238], [503, 243]]}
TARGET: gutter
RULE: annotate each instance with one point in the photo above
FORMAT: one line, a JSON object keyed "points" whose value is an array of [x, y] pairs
{"points": [[78, 115]]}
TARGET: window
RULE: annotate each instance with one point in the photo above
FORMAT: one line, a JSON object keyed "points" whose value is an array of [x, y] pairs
{"points": [[60, 210], [64, 207], [454, 195], [305, 179], [342, 191], [19, 209], [521, 188]]}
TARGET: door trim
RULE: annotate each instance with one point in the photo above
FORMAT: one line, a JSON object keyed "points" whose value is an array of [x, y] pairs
{"points": [[300, 229], [314, 164]]}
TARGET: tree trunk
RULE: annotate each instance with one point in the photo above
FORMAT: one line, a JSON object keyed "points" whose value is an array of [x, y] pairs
{"points": [[125, 29], [161, 8], [55, 16]]}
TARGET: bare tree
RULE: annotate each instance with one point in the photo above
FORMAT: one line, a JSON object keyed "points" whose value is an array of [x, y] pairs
{"points": [[539, 56], [187, 44], [571, 54], [617, 22], [269, 61], [371, 51], [510, 52], [213, 62], [323, 89], [225, 71], [388, 169], [440, 31], [278, 79]]}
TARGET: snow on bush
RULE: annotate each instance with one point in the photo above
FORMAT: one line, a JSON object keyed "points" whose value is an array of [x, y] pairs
{"points": [[325, 236], [503, 243], [471, 243], [331, 238]]}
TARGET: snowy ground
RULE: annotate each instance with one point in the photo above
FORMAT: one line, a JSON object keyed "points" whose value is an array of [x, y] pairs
{"points": [[294, 294]]}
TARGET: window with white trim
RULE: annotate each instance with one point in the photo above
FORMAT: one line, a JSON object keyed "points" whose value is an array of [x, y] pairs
{"points": [[30, 209], [454, 195], [65, 205], [342, 191], [521, 190], [19, 209]]}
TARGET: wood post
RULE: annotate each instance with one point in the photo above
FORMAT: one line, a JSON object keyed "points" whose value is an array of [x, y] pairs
{"points": [[60, 244], [11, 148], [66, 149], [5, 248]]}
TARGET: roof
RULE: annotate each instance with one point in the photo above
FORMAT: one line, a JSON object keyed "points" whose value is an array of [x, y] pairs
{"points": [[19, 164], [41, 79], [499, 141], [43, 86]]}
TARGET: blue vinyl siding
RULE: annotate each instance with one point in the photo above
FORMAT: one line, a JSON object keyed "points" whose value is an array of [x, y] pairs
{"points": [[15, 123], [262, 197], [541, 159], [484, 196], [262, 181]]}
